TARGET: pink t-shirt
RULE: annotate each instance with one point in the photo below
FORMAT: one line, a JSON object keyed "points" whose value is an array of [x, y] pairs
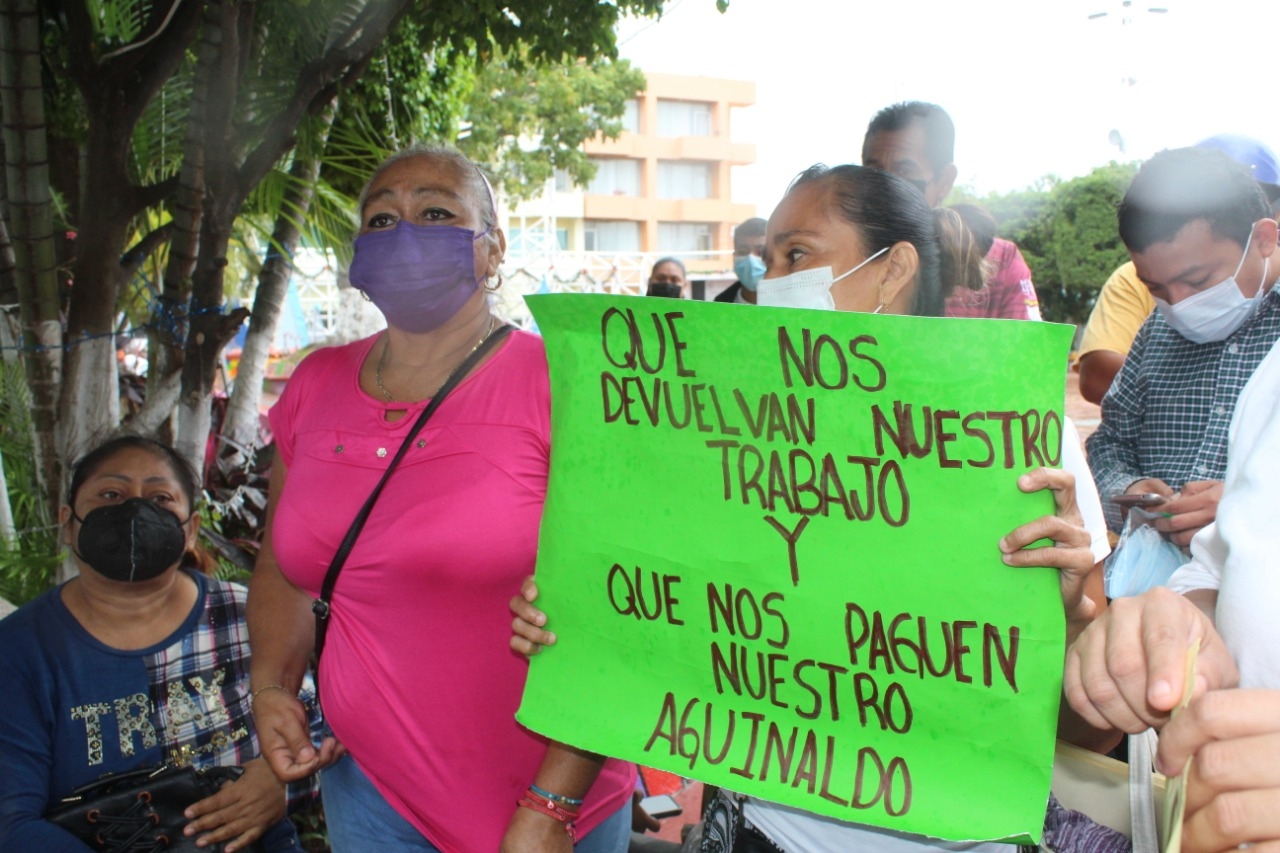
{"points": [[417, 679], [1009, 294]]}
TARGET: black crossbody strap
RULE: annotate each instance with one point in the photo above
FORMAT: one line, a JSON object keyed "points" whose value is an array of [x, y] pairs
{"points": [[321, 606]]}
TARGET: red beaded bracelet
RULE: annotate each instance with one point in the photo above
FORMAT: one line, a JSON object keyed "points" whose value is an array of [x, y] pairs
{"points": [[552, 809]]}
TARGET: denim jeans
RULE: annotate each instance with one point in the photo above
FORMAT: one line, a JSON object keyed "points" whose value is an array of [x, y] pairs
{"points": [[280, 838], [356, 813]]}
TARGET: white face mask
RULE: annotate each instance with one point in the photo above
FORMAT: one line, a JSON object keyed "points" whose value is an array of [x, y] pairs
{"points": [[1214, 314], [807, 288]]}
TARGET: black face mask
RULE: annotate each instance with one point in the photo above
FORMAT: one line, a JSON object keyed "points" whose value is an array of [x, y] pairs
{"points": [[130, 541], [660, 288]]}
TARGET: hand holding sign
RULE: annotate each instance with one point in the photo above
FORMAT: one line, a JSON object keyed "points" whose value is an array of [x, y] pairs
{"points": [[527, 628], [1070, 549]]}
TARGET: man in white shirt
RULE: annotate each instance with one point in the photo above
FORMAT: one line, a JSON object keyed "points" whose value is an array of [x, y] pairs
{"points": [[1127, 669]]}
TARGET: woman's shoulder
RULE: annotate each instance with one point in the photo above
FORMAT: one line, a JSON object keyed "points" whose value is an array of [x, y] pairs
{"points": [[35, 633], [529, 346], [31, 617], [523, 358]]}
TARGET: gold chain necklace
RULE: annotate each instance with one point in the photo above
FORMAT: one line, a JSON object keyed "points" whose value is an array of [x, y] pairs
{"points": [[386, 347]]}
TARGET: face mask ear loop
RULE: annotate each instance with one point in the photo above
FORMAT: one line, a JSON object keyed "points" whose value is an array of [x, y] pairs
{"points": [[1248, 242], [850, 272], [75, 539]]}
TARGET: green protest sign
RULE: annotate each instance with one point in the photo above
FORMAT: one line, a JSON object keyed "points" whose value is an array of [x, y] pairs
{"points": [[769, 552]]}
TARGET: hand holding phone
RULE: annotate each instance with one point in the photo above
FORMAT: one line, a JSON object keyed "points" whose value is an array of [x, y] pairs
{"points": [[1146, 499]]}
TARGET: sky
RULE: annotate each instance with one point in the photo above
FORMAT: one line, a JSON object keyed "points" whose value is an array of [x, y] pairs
{"points": [[1034, 86]]}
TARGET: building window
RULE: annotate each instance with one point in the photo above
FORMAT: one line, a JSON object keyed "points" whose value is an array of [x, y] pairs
{"points": [[615, 176], [684, 237], [603, 235], [684, 118], [679, 179], [631, 115], [564, 183], [562, 238]]}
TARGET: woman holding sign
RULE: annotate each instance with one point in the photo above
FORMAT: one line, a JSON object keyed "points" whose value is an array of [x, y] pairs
{"points": [[857, 239], [422, 704]]}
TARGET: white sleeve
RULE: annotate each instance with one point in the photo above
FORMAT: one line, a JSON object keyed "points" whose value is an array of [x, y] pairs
{"points": [[1208, 553], [1087, 499]]}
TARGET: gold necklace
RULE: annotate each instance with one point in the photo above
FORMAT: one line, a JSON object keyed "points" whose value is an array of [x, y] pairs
{"points": [[386, 348]]}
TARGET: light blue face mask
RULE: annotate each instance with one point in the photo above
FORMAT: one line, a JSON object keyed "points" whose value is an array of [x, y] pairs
{"points": [[1215, 313], [749, 269], [1143, 559]]}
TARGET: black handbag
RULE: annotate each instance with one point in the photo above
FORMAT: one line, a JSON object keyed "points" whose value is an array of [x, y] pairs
{"points": [[141, 811]]}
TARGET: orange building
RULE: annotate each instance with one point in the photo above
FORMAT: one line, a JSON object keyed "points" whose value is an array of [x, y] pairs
{"points": [[663, 187]]}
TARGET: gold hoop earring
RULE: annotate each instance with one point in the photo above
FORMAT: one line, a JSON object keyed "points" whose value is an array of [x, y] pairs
{"points": [[495, 288]]}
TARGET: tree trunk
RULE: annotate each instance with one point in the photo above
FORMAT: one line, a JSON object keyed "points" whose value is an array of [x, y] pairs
{"points": [[207, 330], [211, 330], [89, 408], [171, 325], [31, 227], [240, 430]]}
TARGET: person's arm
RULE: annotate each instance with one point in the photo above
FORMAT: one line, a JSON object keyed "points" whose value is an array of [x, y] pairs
{"points": [[1098, 369], [1126, 670], [1123, 305], [1193, 509], [1074, 553], [282, 632], [567, 772], [26, 760], [1113, 448], [242, 811], [1206, 600]]}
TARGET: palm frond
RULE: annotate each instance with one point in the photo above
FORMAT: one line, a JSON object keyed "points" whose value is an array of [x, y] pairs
{"points": [[118, 22]]}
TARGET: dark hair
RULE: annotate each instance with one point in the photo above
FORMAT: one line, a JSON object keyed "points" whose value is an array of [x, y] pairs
{"points": [[1181, 185], [660, 261], [888, 210], [980, 223], [939, 130], [469, 171], [753, 227], [1272, 192], [87, 465]]}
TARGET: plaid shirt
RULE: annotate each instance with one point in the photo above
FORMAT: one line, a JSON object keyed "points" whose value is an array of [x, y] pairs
{"points": [[200, 690], [1169, 409]]}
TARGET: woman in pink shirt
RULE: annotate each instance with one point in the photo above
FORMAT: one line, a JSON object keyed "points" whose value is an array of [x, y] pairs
{"points": [[415, 679]]}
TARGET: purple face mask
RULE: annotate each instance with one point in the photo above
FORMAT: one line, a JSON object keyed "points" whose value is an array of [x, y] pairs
{"points": [[418, 275]]}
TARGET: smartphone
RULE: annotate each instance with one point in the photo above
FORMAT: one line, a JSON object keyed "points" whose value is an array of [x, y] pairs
{"points": [[663, 805], [1144, 500]]}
